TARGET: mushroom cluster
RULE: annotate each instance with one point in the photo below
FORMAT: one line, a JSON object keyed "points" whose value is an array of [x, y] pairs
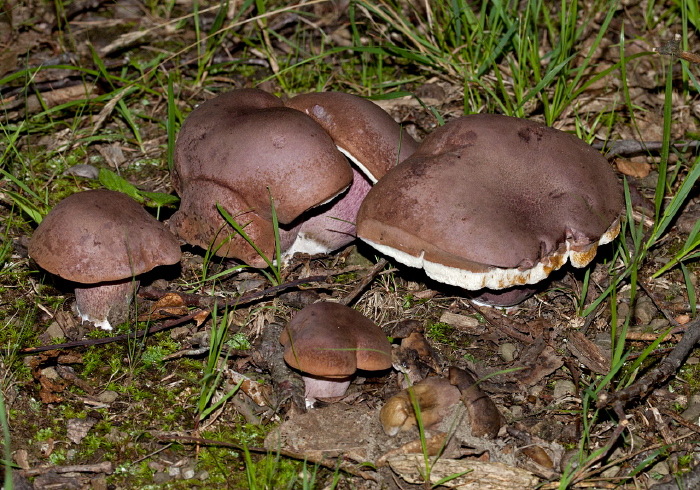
{"points": [[244, 148]]}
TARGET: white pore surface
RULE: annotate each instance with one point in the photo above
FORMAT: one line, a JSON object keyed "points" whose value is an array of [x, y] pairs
{"points": [[497, 278], [359, 165], [305, 244]]}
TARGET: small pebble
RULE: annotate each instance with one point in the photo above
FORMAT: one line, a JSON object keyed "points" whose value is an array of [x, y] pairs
{"points": [[507, 351], [83, 170], [661, 468], [563, 388], [610, 472], [644, 310], [692, 411], [160, 477], [108, 396]]}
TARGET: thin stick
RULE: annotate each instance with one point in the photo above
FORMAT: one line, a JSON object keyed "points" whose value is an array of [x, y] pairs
{"points": [[283, 452], [364, 282]]}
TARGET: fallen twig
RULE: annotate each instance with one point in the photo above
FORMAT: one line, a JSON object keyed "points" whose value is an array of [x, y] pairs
{"points": [[630, 147], [660, 373], [104, 467], [117, 338], [333, 465], [364, 282]]}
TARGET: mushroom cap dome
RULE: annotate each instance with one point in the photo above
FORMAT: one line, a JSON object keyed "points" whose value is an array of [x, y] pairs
{"points": [[494, 201], [362, 130], [334, 340], [101, 235]]}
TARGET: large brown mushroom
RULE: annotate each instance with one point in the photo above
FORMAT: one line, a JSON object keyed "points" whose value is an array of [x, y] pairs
{"points": [[230, 151], [493, 202], [328, 343], [102, 241]]}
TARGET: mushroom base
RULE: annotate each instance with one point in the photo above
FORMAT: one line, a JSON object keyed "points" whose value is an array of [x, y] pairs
{"points": [[105, 302], [502, 297], [321, 387]]}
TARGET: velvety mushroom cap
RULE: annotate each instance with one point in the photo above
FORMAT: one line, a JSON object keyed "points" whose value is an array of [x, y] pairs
{"points": [[362, 130], [102, 240], [101, 235], [328, 342], [234, 147], [492, 201]]}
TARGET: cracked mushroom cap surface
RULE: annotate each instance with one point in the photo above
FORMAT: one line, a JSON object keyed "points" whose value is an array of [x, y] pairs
{"points": [[234, 147], [490, 201], [362, 130], [334, 340], [101, 235]]}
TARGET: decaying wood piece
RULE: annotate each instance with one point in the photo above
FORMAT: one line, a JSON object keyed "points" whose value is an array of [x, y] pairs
{"points": [[322, 461], [104, 467], [286, 383], [475, 475]]}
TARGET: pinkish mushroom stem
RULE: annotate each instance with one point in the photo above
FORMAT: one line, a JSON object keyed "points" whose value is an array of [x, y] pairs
{"points": [[324, 387], [97, 303]]}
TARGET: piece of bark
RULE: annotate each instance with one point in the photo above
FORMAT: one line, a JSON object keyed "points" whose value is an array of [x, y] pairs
{"points": [[475, 475], [587, 353]]}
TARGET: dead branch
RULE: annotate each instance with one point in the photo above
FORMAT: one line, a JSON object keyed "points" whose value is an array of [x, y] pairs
{"points": [[104, 467], [631, 147], [659, 374]]}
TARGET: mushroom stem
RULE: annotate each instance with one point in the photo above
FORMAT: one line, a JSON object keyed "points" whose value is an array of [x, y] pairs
{"points": [[104, 301], [322, 387]]}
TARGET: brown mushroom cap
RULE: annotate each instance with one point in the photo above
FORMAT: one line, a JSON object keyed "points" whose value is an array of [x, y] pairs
{"points": [[101, 235], [361, 129], [333, 340], [494, 201], [234, 147]]}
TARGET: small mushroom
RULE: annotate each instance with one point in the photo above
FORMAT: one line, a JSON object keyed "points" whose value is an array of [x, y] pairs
{"points": [[102, 240], [236, 150], [494, 202], [435, 397], [328, 343]]}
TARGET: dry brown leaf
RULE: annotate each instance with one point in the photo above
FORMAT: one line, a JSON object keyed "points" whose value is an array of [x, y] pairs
{"points": [[261, 394], [170, 305], [587, 353], [633, 169], [201, 317]]}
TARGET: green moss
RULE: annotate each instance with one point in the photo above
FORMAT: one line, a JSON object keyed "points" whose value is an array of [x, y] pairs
{"points": [[441, 332]]}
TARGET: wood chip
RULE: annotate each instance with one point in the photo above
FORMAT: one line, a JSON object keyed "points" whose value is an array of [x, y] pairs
{"points": [[461, 322]]}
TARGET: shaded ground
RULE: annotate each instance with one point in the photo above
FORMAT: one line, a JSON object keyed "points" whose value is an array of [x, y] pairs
{"points": [[105, 105]]}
